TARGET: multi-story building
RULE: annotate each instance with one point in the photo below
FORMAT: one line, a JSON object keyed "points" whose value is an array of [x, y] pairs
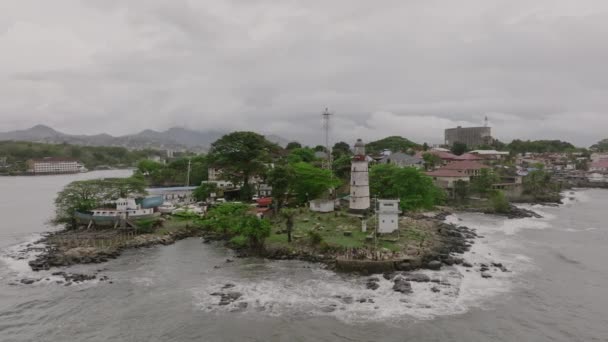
{"points": [[51, 165], [471, 136]]}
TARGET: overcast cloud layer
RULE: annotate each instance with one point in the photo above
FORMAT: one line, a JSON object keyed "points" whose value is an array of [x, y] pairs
{"points": [[537, 69]]}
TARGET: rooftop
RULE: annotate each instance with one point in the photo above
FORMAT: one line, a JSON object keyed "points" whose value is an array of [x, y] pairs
{"points": [[465, 165], [446, 173]]}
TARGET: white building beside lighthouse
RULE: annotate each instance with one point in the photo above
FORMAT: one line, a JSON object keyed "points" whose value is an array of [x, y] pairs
{"points": [[359, 180]]}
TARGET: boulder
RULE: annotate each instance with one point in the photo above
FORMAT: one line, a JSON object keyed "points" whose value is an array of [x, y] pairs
{"points": [[435, 289], [418, 277], [27, 281], [371, 285], [486, 275], [402, 285], [434, 265], [466, 264]]}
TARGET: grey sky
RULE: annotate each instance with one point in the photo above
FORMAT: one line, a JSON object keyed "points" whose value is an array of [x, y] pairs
{"points": [[537, 68]]}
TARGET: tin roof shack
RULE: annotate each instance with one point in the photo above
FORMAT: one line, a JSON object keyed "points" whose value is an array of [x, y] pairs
{"points": [[388, 215]]}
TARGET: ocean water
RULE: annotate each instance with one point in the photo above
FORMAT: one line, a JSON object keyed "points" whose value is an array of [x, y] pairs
{"points": [[556, 288]]}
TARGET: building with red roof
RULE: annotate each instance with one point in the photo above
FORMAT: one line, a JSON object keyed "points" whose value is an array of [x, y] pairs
{"points": [[467, 167], [470, 157], [599, 166], [446, 178]]}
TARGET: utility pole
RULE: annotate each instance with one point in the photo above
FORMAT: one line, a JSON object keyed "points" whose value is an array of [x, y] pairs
{"points": [[326, 127], [188, 174]]}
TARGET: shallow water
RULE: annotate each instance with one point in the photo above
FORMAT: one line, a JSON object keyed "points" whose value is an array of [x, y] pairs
{"points": [[555, 290]]}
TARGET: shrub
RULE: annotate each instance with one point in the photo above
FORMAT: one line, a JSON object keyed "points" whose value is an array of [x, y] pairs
{"points": [[500, 204], [315, 237], [239, 242], [145, 226]]}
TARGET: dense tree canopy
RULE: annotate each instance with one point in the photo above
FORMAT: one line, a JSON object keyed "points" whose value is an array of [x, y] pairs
{"points": [[600, 146], [341, 149], [280, 179], [241, 155], [414, 189], [293, 145], [17, 153], [393, 143], [540, 146], [459, 148], [310, 182], [304, 154]]}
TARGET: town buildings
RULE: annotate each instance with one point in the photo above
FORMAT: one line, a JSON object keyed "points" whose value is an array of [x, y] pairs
{"points": [[52, 165], [471, 136], [359, 179], [175, 195], [402, 159]]}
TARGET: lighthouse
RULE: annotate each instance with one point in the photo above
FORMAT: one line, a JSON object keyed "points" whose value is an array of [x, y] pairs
{"points": [[359, 180]]}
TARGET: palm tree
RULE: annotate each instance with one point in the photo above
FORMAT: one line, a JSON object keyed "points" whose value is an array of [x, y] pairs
{"points": [[288, 215]]}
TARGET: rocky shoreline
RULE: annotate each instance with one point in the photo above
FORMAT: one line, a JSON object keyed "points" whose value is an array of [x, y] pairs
{"points": [[62, 249]]}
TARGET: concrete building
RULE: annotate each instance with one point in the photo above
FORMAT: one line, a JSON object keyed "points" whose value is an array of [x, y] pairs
{"points": [[599, 166], [388, 216], [175, 195], [471, 136], [52, 165], [322, 205], [359, 179], [446, 178]]}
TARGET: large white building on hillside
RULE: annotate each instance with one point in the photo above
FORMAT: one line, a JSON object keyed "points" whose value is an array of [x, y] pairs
{"points": [[359, 179], [54, 165]]}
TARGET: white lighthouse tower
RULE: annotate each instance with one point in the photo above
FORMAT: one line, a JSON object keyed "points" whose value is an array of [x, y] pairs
{"points": [[359, 180]]}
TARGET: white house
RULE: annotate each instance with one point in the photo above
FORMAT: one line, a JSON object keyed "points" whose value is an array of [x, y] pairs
{"points": [[322, 205], [597, 177], [388, 216]]}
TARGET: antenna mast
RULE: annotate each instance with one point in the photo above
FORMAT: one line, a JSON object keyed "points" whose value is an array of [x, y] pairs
{"points": [[326, 116], [486, 122]]}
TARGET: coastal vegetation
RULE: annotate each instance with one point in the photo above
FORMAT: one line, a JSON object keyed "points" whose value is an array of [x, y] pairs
{"points": [[392, 143], [86, 195], [18, 152], [240, 156], [175, 172], [414, 189]]}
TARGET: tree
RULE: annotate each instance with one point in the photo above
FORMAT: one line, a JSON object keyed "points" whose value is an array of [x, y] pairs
{"points": [[147, 166], [461, 190], [414, 189], [459, 148], [538, 184], [310, 182], [425, 147], [241, 155], [305, 154], [255, 230], [280, 179], [234, 220], [88, 194], [293, 145], [204, 191], [482, 184], [431, 161], [341, 149], [320, 148], [500, 204], [288, 215], [341, 167], [393, 143]]}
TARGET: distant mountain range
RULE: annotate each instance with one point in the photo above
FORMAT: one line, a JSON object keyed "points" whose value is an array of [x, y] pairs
{"points": [[174, 138]]}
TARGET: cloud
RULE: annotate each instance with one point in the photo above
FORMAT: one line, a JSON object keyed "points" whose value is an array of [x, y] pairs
{"points": [[536, 69]]}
